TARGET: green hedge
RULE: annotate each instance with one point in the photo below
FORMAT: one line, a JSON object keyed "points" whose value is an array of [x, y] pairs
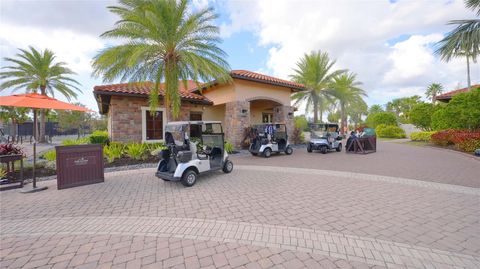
{"points": [[421, 136], [389, 131]]}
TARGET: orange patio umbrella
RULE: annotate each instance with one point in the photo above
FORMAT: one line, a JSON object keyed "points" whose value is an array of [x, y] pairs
{"points": [[37, 101]]}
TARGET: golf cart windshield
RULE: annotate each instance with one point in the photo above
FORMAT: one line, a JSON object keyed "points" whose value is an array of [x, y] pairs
{"points": [[322, 130], [177, 132]]}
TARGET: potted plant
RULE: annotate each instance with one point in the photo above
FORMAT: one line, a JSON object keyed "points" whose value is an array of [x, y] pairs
{"points": [[9, 153]]}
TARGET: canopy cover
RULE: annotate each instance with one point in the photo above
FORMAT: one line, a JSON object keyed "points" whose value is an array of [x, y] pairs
{"points": [[35, 100]]}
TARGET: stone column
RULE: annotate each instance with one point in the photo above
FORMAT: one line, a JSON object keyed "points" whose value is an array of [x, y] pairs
{"points": [[237, 118], [284, 114]]}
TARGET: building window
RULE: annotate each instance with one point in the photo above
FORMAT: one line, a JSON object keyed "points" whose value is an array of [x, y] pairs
{"points": [[153, 125], [267, 117]]}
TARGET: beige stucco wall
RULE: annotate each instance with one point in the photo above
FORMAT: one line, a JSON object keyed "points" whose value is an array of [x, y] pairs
{"points": [[220, 94], [248, 90], [214, 113], [243, 90]]}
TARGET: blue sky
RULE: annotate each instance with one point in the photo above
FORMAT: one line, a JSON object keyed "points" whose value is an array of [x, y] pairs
{"points": [[389, 44]]}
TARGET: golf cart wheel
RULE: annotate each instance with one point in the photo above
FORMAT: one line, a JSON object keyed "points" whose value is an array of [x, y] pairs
{"points": [[309, 148], [189, 178], [289, 150], [339, 148], [267, 153], [323, 150], [227, 167]]}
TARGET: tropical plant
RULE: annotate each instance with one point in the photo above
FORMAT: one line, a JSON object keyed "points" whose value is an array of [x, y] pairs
{"points": [[402, 107], [50, 155], [346, 90], [113, 151], [3, 173], [433, 90], [15, 115], [99, 137], [164, 41], [301, 122], [68, 120], [34, 71], [356, 111], [72, 142], [375, 119], [464, 40], [315, 71], [10, 149], [229, 147], [375, 109], [136, 151]]}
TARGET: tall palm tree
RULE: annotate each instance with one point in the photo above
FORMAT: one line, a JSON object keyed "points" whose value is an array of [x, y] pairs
{"points": [[346, 89], [314, 71], [433, 90], [163, 41], [34, 71], [464, 40]]}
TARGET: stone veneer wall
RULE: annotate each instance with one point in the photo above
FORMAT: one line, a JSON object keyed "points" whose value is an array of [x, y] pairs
{"points": [[281, 115], [125, 114], [236, 121]]}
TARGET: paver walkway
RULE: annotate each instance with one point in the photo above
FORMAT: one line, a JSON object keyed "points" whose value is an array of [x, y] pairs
{"points": [[391, 159], [256, 217]]}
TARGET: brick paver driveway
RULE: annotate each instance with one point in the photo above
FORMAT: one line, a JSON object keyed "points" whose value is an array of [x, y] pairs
{"points": [[256, 217]]}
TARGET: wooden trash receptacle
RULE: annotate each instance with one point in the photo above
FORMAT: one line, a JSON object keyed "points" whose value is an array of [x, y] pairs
{"points": [[79, 165]]}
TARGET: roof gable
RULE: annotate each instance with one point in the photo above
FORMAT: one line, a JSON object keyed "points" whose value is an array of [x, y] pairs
{"points": [[450, 94]]}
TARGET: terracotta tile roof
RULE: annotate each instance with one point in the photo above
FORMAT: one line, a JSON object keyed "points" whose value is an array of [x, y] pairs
{"points": [[249, 75], [449, 95], [143, 88]]}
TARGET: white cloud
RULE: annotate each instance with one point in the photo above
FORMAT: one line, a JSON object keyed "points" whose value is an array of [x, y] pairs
{"points": [[73, 48], [364, 36]]}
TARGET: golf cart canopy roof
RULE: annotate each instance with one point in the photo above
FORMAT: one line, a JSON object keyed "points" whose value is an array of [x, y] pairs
{"points": [[192, 122], [323, 126]]}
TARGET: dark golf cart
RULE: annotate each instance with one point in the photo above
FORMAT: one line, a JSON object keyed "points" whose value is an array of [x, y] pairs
{"points": [[269, 138], [324, 137], [193, 148]]}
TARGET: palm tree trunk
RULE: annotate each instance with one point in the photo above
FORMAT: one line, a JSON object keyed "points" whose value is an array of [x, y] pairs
{"points": [[468, 73], [41, 137], [321, 115], [315, 112], [343, 120]]}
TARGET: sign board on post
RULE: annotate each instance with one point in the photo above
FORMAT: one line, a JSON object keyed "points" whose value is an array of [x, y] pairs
{"points": [[79, 165]]}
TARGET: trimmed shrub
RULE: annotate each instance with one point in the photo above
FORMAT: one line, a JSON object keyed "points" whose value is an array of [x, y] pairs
{"points": [[464, 140], [421, 136], [421, 115], [229, 147], [389, 131], [136, 151], [462, 112], [99, 137], [385, 118], [50, 155]]}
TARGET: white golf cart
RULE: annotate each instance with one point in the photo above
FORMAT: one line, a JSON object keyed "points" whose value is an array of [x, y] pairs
{"points": [[269, 138], [324, 137], [193, 148]]}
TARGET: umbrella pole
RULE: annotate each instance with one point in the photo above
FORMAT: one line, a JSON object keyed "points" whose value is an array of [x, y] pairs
{"points": [[34, 179]]}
